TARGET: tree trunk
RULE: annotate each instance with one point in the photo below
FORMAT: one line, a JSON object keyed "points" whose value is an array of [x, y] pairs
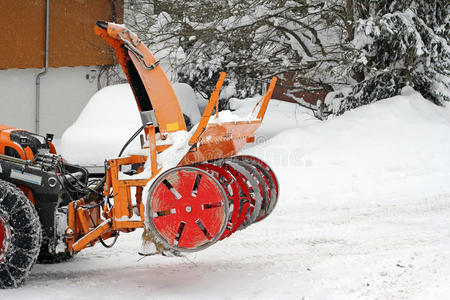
{"points": [[350, 20]]}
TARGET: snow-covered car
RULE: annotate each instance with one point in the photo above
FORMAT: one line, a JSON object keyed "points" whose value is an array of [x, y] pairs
{"points": [[108, 121]]}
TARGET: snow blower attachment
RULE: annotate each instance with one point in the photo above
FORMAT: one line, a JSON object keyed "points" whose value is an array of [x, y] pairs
{"points": [[203, 193], [188, 190]]}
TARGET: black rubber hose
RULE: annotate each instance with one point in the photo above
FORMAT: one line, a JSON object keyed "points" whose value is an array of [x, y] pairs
{"points": [[132, 138]]}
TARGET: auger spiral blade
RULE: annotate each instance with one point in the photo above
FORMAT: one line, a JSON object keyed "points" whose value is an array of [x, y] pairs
{"points": [[232, 190], [254, 192], [270, 180], [191, 208]]}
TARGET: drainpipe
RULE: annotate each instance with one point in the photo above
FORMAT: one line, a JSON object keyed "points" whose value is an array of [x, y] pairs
{"points": [[38, 77]]}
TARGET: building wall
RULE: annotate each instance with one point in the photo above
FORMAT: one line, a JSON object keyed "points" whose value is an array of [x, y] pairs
{"points": [[64, 93], [72, 38], [311, 97], [308, 97], [74, 51]]}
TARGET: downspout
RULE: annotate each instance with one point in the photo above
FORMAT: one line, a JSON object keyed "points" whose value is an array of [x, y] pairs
{"points": [[38, 77]]}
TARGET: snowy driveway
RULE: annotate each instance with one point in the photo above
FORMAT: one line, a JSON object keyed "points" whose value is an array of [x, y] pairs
{"points": [[396, 250]]}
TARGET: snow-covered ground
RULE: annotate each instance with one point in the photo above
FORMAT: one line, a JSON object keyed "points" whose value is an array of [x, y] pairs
{"points": [[364, 212]]}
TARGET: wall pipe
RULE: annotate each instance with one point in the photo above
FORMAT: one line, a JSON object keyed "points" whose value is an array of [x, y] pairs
{"points": [[38, 76]]}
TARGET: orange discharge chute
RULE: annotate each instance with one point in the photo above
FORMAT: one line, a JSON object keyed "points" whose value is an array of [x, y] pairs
{"points": [[154, 94]]}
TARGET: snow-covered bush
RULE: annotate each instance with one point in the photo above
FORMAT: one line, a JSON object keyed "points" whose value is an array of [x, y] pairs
{"points": [[400, 43], [374, 47], [250, 40]]}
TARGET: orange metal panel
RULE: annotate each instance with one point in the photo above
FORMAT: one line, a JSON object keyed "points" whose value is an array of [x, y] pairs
{"points": [[128, 224], [5, 141], [208, 110], [266, 98], [4, 127], [92, 236], [122, 205], [220, 140], [150, 133], [71, 231], [162, 96], [81, 214]]}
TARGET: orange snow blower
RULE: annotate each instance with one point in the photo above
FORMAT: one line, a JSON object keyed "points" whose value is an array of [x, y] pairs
{"points": [[201, 193], [187, 189]]}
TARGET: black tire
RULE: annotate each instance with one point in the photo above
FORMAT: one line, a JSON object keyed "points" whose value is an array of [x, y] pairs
{"points": [[21, 235]]}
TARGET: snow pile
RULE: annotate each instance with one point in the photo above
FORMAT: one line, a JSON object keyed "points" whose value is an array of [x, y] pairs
{"points": [[378, 149], [168, 159], [188, 101], [108, 121], [365, 205], [280, 115], [103, 127], [173, 155], [226, 116]]}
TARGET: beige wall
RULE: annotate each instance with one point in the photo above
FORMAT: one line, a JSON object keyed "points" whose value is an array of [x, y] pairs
{"points": [[64, 93]]}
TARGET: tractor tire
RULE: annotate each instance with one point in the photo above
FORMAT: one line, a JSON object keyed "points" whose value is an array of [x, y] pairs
{"points": [[20, 235]]}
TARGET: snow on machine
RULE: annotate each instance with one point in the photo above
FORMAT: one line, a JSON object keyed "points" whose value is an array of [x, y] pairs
{"points": [[187, 189]]}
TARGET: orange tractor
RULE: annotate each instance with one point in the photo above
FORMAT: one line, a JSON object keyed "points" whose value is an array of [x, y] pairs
{"points": [[187, 189]]}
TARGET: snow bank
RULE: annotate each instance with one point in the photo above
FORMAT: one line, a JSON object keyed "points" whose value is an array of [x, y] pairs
{"points": [[280, 115], [108, 121], [188, 101], [378, 150], [105, 124], [365, 205]]}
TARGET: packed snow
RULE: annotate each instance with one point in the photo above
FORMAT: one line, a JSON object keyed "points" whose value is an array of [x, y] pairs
{"points": [[364, 213]]}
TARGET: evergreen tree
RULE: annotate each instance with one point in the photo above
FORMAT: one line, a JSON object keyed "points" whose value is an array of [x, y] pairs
{"points": [[399, 43]]}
